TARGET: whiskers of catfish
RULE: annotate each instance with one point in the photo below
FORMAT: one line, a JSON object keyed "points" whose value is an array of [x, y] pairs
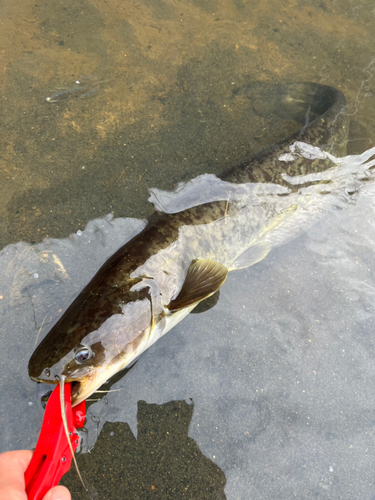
{"points": [[104, 392], [65, 422]]}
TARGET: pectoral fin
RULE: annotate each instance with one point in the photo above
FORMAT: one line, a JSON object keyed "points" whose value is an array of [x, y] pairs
{"points": [[251, 256], [203, 279]]}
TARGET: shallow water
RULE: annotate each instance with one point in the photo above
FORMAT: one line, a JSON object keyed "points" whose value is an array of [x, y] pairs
{"points": [[267, 395]]}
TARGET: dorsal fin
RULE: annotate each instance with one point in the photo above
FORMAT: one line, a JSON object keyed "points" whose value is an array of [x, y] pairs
{"points": [[203, 278]]}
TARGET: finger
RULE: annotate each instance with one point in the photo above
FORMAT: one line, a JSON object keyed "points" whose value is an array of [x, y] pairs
{"points": [[58, 493], [13, 465]]}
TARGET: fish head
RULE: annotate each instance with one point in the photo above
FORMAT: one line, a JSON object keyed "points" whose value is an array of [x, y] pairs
{"points": [[88, 354]]}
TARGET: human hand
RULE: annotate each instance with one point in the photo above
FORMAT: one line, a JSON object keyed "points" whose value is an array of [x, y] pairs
{"points": [[13, 465]]}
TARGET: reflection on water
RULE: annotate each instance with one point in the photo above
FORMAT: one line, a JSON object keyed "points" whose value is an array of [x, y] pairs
{"points": [[162, 462]]}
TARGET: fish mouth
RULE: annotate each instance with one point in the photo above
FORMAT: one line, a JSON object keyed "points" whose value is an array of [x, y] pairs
{"points": [[80, 390], [77, 387], [83, 386], [75, 391]]}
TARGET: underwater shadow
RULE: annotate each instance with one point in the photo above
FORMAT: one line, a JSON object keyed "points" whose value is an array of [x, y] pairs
{"points": [[162, 463]]}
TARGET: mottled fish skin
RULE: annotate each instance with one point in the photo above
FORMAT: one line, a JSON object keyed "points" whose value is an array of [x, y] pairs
{"points": [[124, 308], [329, 130], [111, 286]]}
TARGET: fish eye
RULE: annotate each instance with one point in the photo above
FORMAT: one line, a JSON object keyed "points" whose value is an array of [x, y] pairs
{"points": [[83, 354]]}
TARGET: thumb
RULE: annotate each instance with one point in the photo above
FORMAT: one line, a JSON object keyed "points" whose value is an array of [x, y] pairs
{"points": [[58, 493]]}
